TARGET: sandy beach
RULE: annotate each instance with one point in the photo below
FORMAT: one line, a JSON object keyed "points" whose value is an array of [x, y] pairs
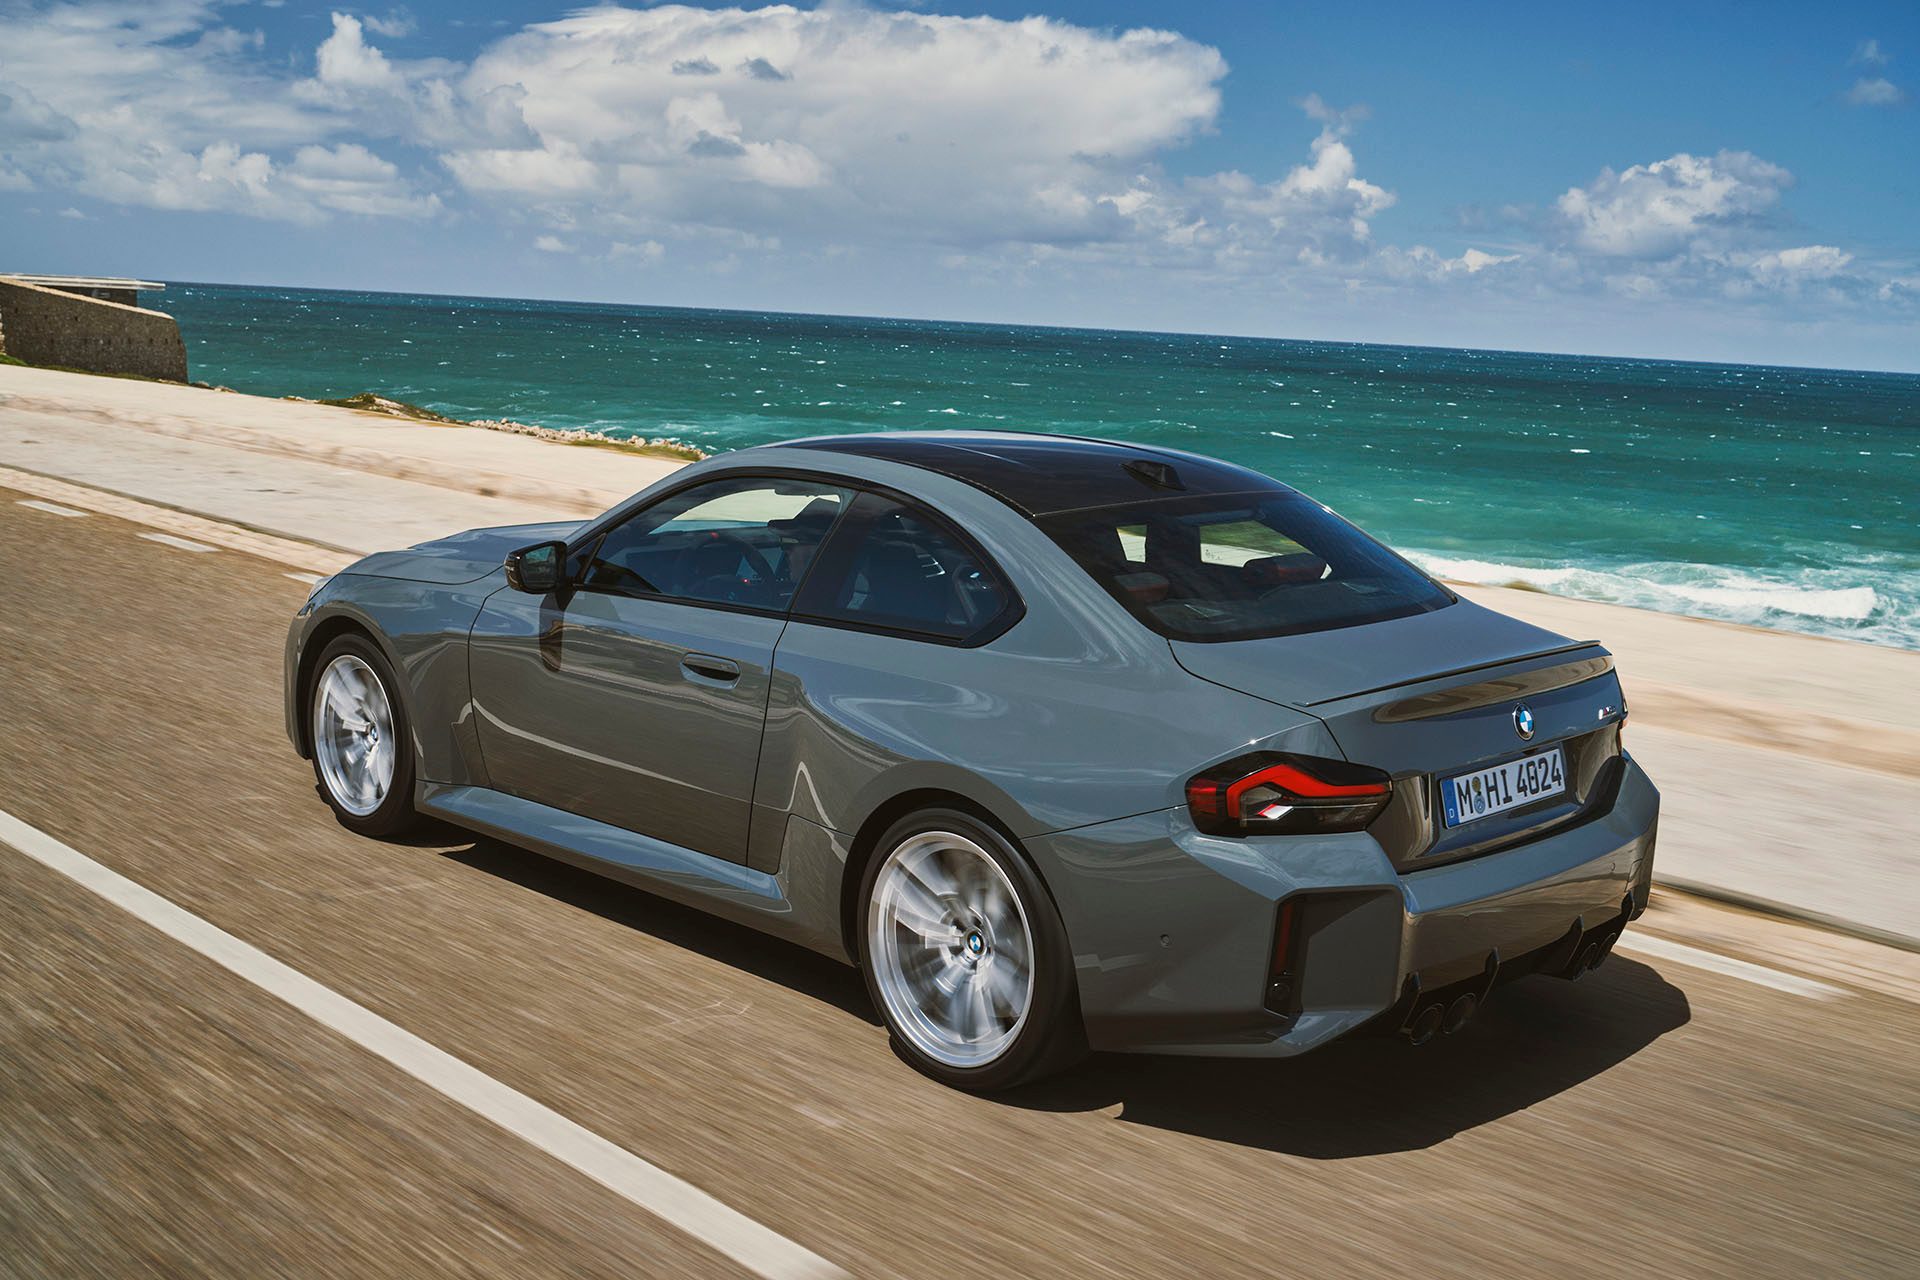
{"points": [[1789, 764]]}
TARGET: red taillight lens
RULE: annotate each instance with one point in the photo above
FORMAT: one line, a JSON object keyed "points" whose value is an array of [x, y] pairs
{"points": [[1276, 794]]}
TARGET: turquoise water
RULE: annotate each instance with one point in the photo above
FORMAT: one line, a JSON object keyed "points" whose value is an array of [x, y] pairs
{"points": [[1782, 497]]}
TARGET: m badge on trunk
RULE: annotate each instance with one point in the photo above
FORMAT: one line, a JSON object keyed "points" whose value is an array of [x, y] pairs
{"points": [[1523, 721]]}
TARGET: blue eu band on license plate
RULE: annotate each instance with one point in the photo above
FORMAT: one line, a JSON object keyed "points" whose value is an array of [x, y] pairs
{"points": [[1468, 797]]}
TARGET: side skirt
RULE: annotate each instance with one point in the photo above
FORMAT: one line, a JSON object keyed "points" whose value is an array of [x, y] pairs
{"points": [[791, 903]]}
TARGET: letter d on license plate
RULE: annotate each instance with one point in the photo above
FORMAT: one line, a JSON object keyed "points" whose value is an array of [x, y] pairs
{"points": [[1468, 797]]}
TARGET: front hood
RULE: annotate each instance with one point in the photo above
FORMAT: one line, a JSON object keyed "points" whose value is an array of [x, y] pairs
{"points": [[1302, 670], [462, 557]]}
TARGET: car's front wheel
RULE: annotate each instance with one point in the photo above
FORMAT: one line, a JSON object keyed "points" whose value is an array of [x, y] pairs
{"points": [[965, 955], [362, 751]]}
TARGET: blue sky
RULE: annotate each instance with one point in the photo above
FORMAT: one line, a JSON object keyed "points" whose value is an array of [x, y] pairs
{"points": [[1736, 182]]}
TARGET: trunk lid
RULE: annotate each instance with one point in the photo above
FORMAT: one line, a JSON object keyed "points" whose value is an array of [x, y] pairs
{"points": [[1303, 671], [1433, 695]]}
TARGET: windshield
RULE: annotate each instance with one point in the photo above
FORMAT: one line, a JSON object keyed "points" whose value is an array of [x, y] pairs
{"points": [[1242, 566]]}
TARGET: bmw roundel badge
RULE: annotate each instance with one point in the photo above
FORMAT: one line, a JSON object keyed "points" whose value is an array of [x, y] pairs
{"points": [[1523, 721]]}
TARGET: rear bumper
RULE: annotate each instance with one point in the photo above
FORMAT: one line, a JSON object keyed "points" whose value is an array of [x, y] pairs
{"points": [[1173, 931]]}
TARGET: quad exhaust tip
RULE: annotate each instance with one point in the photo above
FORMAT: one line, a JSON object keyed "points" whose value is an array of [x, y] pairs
{"points": [[1427, 1023], [1603, 948], [1589, 958], [1594, 954], [1439, 1019]]}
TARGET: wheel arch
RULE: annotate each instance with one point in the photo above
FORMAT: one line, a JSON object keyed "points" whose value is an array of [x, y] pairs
{"points": [[324, 633]]}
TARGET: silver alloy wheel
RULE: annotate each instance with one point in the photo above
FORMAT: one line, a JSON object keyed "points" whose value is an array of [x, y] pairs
{"points": [[353, 735], [951, 950]]}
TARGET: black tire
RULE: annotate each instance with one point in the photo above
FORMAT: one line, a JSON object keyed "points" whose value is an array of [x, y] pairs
{"points": [[395, 814], [1052, 1037]]}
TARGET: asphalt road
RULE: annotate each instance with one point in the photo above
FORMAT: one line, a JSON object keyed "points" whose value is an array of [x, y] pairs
{"points": [[160, 1115]]}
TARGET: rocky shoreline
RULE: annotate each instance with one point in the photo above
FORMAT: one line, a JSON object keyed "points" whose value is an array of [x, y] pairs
{"points": [[385, 406]]}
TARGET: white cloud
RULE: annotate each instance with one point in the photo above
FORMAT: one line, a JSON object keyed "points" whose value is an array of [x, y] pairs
{"points": [[315, 182], [1809, 262], [348, 178], [1339, 122], [1875, 91], [1318, 210], [646, 251], [1671, 206], [1899, 289], [218, 176], [842, 120], [551, 244], [25, 119], [396, 24], [158, 104], [555, 173], [1813, 272], [1474, 261], [356, 84], [1420, 263], [346, 63]]}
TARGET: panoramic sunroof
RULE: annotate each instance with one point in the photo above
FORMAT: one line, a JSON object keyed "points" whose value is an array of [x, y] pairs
{"points": [[1045, 475]]}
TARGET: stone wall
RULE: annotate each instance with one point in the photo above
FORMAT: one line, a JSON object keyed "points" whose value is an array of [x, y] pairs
{"points": [[48, 327]]}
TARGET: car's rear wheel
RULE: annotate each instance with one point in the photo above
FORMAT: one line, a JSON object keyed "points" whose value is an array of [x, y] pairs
{"points": [[965, 955], [362, 750]]}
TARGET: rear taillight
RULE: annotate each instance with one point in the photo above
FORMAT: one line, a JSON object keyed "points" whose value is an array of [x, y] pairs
{"points": [[1269, 794]]}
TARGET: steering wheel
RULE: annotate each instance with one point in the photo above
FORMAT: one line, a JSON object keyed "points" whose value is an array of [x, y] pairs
{"points": [[730, 586]]}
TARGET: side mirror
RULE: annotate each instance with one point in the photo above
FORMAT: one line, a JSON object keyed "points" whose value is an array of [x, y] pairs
{"points": [[536, 569]]}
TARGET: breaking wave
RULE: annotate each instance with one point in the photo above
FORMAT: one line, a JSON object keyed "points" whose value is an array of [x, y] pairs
{"points": [[1859, 603]]}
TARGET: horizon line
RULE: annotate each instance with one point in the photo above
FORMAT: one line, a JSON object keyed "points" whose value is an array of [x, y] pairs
{"points": [[1058, 328]]}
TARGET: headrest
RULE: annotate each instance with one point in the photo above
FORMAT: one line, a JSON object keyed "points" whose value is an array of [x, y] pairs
{"points": [[815, 516]]}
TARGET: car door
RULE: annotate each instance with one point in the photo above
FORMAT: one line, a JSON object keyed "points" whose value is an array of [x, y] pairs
{"points": [[878, 663], [637, 695]]}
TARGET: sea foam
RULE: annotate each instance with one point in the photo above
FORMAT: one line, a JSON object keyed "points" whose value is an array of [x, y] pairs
{"points": [[1824, 600]]}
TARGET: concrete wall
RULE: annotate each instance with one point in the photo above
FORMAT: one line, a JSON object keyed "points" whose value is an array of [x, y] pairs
{"points": [[48, 327], [125, 297]]}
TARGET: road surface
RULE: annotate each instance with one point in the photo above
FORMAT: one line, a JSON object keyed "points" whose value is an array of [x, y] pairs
{"points": [[1738, 1097]]}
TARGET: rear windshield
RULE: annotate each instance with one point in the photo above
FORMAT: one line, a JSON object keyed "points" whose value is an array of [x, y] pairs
{"points": [[1242, 566]]}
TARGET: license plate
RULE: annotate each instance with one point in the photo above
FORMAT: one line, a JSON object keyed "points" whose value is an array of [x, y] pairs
{"points": [[1468, 797]]}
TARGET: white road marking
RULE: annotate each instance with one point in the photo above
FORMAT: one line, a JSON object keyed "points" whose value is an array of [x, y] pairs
{"points": [[51, 508], [308, 578], [185, 544], [722, 1228], [1760, 975]]}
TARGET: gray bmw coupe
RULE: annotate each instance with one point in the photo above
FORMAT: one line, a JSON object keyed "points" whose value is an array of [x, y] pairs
{"points": [[1066, 744]]}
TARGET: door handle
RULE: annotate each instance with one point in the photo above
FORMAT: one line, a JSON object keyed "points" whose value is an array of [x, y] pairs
{"points": [[708, 667]]}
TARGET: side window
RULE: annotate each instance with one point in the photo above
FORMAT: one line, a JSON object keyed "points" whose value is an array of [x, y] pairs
{"points": [[897, 567], [745, 541]]}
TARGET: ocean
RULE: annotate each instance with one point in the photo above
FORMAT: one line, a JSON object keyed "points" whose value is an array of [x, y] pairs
{"points": [[1779, 497]]}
